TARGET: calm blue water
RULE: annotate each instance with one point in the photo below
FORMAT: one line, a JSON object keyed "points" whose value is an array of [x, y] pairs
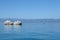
{"points": [[31, 31]]}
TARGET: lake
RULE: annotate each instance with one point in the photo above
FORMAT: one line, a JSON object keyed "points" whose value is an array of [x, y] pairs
{"points": [[31, 31]]}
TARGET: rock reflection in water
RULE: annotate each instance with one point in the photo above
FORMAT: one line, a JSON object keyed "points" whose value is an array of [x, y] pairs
{"points": [[17, 28], [7, 28], [12, 28]]}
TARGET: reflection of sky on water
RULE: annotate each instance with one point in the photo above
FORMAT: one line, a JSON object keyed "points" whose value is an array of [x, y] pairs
{"points": [[12, 28]]}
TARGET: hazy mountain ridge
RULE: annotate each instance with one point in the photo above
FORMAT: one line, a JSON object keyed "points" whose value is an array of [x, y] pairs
{"points": [[32, 20]]}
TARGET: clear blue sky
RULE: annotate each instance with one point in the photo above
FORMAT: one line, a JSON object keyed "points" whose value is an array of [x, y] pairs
{"points": [[30, 9]]}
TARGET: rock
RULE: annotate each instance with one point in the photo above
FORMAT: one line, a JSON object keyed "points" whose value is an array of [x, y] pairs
{"points": [[8, 22], [17, 23]]}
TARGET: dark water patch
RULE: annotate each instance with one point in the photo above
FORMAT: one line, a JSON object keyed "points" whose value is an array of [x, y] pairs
{"points": [[27, 39]]}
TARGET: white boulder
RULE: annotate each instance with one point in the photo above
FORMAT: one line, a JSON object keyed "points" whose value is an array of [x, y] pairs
{"points": [[17, 23], [8, 22]]}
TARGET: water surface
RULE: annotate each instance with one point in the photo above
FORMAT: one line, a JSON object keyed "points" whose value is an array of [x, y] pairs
{"points": [[31, 31]]}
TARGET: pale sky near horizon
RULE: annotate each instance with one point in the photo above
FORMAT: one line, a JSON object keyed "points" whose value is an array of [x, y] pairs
{"points": [[30, 9]]}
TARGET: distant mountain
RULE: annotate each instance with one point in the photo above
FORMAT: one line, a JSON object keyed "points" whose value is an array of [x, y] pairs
{"points": [[31, 20]]}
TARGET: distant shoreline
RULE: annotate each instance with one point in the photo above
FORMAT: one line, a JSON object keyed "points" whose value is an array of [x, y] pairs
{"points": [[31, 20]]}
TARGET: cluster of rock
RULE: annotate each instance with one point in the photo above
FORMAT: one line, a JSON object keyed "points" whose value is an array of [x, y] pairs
{"points": [[8, 22]]}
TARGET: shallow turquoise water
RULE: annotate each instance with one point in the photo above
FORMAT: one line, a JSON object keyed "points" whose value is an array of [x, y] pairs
{"points": [[31, 31]]}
